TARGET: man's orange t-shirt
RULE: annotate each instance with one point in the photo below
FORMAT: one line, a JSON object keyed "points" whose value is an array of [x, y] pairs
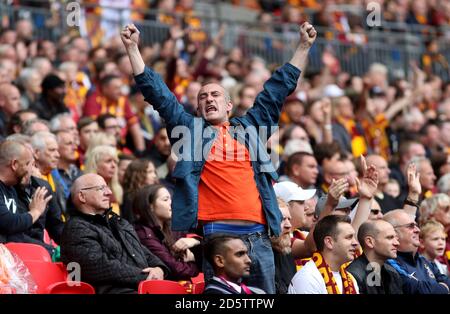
{"points": [[227, 188]]}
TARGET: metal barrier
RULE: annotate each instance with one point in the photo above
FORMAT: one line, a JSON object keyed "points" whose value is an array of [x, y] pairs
{"points": [[394, 49]]}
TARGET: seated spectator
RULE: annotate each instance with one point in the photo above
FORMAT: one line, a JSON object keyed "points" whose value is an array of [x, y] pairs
{"points": [[392, 188], [30, 81], [160, 151], [109, 99], [153, 212], [109, 124], [379, 243], [406, 151], [295, 197], [33, 126], [347, 130], [282, 253], [140, 172], [52, 218], [16, 160], [67, 170], [63, 122], [375, 211], [418, 275], [9, 104], [444, 184], [101, 138], [427, 176], [105, 246], [324, 274], [437, 208], [302, 168], [229, 258], [18, 119], [124, 161], [103, 160], [386, 201], [51, 101], [432, 244], [87, 127]]}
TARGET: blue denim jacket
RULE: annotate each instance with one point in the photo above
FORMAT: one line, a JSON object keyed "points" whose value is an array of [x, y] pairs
{"points": [[264, 115]]}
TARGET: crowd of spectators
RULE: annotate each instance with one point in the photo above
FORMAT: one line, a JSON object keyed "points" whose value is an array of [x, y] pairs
{"points": [[72, 107]]}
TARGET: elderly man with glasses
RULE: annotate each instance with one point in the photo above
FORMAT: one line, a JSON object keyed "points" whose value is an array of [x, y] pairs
{"points": [[106, 247], [418, 275]]}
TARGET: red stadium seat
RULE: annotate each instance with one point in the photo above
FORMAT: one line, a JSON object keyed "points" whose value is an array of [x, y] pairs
{"points": [[197, 288], [160, 287], [199, 278], [52, 278], [29, 251], [70, 287], [198, 284]]}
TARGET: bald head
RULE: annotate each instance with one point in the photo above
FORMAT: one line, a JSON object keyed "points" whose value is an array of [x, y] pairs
{"points": [[9, 98], [395, 216], [372, 228], [91, 194], [406, 229]]}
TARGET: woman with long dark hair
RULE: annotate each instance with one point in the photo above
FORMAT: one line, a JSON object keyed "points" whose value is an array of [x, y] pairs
{"points": [[153, 212], [139, 173]]}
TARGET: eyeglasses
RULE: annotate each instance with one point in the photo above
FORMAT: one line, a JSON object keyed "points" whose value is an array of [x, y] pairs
{"points": [[97, 188], [411, 225], [375, 211]]}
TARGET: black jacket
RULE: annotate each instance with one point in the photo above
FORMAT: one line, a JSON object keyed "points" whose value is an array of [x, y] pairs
{"points": [[285, 270], [109, 253], [369, 283], [11, 221], [216, 286], [47, 111], [50, 219]]}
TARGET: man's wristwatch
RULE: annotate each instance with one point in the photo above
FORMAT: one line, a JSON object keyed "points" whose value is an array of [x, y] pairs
{"points": [[411, 203]]}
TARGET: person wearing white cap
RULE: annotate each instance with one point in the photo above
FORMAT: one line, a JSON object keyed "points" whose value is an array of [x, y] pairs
{"points": [[295, 197]]}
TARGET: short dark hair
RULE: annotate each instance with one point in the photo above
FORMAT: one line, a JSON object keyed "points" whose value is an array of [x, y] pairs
{"points": [[107, 79], [216, 244], [16, 119], [326, 151], [296, 158], [85, 121], [328, 227], [101, 119]]}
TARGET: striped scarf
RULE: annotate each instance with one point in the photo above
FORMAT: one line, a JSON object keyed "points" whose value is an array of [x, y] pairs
{"points": [[330, 282]]}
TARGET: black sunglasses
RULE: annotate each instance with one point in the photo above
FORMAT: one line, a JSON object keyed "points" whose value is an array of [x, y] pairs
{"points": [[411, 225]]}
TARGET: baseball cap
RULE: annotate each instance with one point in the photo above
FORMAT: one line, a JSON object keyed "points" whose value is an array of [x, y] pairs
{"points": [[333, 91], [343, 203], [289, 191]]}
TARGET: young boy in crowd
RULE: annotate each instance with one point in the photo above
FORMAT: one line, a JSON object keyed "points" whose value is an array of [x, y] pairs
{"points": [[432, 243]]}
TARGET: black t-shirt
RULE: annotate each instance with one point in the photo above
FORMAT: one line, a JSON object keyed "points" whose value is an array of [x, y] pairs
{"points": [[11, 221], [284, 271]]}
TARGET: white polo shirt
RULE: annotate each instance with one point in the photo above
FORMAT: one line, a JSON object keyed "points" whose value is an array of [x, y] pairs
{"points": [[308, 280]]}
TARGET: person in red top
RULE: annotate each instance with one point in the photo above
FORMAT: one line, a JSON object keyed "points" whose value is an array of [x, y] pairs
{"points": [[109, 99]]}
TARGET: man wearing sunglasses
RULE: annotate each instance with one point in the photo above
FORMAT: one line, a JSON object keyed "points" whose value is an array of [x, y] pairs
{"points": [[418, 275]]}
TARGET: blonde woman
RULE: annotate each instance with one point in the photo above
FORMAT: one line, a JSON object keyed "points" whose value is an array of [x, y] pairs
{"points": [[101, 138], [103, 161]]}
